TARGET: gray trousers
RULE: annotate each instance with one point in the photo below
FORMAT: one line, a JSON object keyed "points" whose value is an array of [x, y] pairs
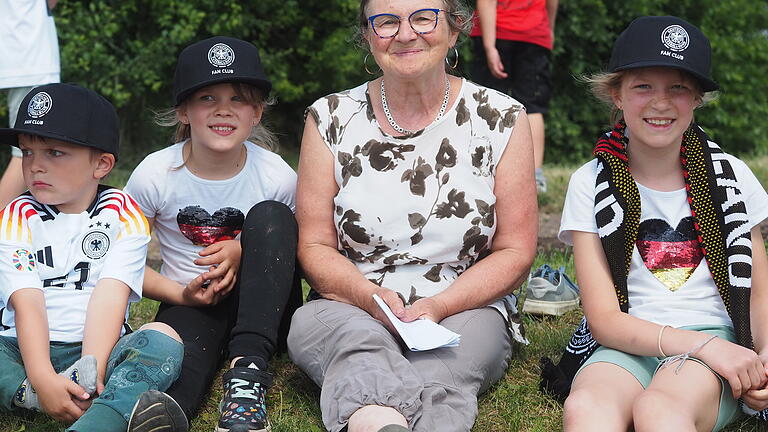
{"points": [[357, 362]]}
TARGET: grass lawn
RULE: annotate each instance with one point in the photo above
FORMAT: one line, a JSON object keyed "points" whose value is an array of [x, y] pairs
{"points": [[513, 404]]}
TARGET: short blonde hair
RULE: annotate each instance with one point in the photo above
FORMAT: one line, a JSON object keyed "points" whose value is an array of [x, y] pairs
{"points": [[260, 135]]}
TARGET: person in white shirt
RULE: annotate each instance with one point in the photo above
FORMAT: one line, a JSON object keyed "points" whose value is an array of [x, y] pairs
{"points": [[668, 251], [72, 254], [29, 56], [221, 205]]}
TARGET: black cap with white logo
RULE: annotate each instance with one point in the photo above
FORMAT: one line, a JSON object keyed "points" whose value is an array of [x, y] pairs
{"points": [[217, 60], [69, 113], [664, 41]]}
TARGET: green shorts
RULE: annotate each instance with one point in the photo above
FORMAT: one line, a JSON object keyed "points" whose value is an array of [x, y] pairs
{"points": [[644, 368]]}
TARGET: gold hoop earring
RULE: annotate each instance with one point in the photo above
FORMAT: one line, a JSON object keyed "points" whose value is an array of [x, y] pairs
{"points": [[456, 62], [365, 64]]}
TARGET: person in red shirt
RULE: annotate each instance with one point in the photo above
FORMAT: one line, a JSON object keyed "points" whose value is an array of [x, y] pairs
{"points": [[513, 43]]}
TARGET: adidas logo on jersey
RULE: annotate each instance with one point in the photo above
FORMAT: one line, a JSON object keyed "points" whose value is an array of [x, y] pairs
{"points": [[45, 256]]}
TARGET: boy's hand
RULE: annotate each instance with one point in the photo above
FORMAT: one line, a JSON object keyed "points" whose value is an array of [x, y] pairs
{"points": [[224, 257], [57, 398]]}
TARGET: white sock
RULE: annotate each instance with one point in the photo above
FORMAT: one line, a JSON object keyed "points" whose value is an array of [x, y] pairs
{"points": [[82, 372]]}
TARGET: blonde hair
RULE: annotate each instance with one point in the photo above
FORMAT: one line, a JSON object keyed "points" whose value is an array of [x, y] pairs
{"points": [[260, 135], [604, 84]]}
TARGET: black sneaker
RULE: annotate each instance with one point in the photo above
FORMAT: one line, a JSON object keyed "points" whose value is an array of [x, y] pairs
{"points": [[156, 411], [243, 408]]}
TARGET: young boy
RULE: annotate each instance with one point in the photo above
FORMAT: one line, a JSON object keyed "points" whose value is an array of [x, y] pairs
{"points": [[72, 256]]}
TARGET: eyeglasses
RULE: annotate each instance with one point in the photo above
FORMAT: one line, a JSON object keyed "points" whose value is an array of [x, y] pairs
{"points": [[387, 25]]}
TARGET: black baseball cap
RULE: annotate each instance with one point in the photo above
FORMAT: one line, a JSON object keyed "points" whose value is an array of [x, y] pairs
{"points": [[217, 60], [67, 112], [664, 41]]}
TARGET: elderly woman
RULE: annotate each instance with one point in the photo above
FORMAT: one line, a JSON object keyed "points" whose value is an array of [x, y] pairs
{"points": [[417, 186]]}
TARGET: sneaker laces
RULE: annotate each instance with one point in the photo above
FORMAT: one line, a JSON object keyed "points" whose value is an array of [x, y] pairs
{"points": [[240, 389]]}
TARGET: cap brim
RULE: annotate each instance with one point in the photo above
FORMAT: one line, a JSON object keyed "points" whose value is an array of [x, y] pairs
{"points": [[10, 136], [262, 85], [706, 84]]}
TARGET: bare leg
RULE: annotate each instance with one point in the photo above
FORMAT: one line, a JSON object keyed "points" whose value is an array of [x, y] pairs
{"points": [[371, 418], [686, 401], [603, 385]]}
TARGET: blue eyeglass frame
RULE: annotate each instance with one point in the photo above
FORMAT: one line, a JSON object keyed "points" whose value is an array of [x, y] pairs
{"points": [[400, 19]]}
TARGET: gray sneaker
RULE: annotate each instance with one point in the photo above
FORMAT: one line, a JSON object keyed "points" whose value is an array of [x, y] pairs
{"points": [[541, 181], [550, 292], [157, 411]]}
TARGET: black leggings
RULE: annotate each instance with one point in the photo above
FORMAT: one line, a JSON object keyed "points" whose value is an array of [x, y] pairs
{"points": [[253, 317]]}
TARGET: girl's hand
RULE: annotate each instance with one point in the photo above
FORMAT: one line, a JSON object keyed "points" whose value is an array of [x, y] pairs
{"points": [[740, 366], [224, 259], [428, 308], [198, 292], [756, 399]]}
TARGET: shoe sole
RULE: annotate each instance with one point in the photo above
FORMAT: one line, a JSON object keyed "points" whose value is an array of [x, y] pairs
{"points": [[169, 409], [266, 429], [556, 308]]}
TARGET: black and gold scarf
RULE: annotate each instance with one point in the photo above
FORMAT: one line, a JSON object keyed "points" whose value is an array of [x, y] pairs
{"points": [[720, 221]]}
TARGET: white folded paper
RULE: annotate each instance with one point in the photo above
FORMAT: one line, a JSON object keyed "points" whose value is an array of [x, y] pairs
{"points": [[421, 334]]}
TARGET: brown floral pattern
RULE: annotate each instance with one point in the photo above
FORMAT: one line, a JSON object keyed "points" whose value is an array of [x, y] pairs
{"points": [[418, 234]]}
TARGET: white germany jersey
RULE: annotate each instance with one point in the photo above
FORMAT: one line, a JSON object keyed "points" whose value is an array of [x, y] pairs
{"points": [[65, 255]]}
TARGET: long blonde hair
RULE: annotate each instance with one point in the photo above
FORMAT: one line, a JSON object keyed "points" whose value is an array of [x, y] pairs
{"points": [[260, 135]]}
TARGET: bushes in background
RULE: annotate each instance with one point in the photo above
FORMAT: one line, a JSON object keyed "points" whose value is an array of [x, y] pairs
{"points": [[127, 51]]}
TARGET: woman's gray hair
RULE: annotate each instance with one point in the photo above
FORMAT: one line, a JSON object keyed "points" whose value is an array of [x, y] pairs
{"points": [[458, 15]]}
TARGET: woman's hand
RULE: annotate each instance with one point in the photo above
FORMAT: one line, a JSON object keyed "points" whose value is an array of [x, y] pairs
{"points": [[392, 300], [740, 366], [428, 308], [224, 259]]}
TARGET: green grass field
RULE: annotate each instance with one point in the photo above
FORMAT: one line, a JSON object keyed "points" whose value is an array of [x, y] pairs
{"points": [[513, 404]]}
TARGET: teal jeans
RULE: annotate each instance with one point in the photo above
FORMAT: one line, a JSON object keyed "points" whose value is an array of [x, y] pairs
{"points": [[140, 361]]}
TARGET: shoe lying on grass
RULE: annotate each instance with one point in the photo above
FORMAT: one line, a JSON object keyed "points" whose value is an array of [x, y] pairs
{"points": [[541, 181], [156, 411], [243, 407], [550, 292]]}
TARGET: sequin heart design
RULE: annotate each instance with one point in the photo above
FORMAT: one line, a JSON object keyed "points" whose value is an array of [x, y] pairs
{"points": [[203, 229], [670, 254]]}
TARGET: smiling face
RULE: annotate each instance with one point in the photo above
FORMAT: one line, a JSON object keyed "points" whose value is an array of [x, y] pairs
{"points": [[62, 174], [409, 54], [658, 105], [220, 119]]}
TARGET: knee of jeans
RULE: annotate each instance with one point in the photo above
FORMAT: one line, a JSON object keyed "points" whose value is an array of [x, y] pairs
{"points": [[162, 328]]}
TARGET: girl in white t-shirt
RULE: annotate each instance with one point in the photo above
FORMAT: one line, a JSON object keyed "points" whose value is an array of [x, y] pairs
{"points": [[221, 206], [667, 248]]}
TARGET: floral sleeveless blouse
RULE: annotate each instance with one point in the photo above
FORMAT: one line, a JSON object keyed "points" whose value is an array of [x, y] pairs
{"points": [[414, 212]]}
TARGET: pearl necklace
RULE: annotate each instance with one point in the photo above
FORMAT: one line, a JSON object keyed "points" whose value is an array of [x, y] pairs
{"points": [[391, 120]]}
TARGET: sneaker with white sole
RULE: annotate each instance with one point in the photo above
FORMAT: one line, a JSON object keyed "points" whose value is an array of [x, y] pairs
{"points": [[243, 406], [550, 292], [156, 411]]}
